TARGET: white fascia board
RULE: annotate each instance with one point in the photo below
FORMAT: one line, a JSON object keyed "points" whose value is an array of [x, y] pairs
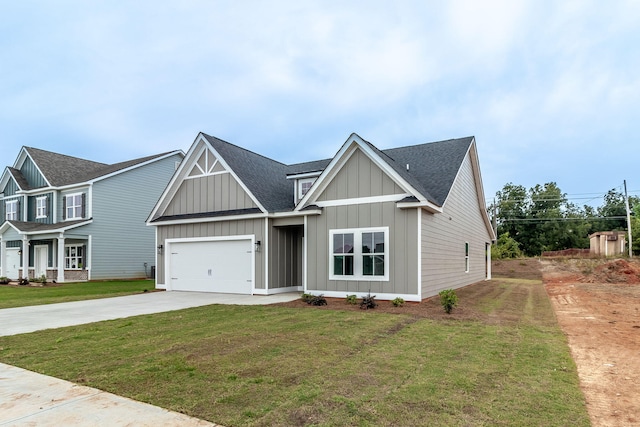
{"points": [[304, 175], [296, 214], [236, 177], [428, 206], [139, 165], [472, 152], [22, 157], [211, 219], [343, 155], [362, 200], [171, 189]]}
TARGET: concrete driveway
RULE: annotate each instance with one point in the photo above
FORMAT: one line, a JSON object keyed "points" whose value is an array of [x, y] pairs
{"points": [[22, 320], [31, 399]]}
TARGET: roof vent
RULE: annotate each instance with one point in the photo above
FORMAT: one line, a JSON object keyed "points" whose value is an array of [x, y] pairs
{"points": [[407, 167]]}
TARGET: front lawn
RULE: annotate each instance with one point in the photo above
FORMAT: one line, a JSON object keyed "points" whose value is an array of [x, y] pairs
{"points": [[20, 296], [266, 365]]}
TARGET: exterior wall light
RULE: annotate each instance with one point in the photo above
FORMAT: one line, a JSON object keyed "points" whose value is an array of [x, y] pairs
{"points": [[160, 247], [258, 245]]}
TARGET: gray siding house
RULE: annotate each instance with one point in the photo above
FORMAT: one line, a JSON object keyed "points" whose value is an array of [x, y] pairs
{"points": [[72, 219], [404, 222]]}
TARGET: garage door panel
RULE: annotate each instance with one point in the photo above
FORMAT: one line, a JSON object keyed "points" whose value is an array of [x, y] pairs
{"points": [[212, 266]]}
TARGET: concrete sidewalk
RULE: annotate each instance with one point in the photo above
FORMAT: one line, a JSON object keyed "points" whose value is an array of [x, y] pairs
{"points": [[31, 399], [22, 320]]}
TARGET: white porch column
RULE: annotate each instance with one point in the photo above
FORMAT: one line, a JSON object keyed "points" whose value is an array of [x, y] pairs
{"points": [[25, 257], [60, 254]]}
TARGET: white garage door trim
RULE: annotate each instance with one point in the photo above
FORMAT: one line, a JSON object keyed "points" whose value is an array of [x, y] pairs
{"points": [[203, 276]]}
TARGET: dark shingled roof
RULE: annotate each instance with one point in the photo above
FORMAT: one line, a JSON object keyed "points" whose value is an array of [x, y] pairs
{"points": [[19, 178], [265, 178], [432, 169], [214, 214], [60, 169], [433, 165], [33, 227]]}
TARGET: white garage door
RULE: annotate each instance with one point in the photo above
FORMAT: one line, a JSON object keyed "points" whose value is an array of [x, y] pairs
{"points": [[218, 266]]}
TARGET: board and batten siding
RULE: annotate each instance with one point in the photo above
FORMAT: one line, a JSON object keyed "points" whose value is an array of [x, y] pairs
{"points": [[444, 236], [121, 242], [402, 251], [31, 173], [285, 255], [208, 193], [245, 227], [359, 177]]}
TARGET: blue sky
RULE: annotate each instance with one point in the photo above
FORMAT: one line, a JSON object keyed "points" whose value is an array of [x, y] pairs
{"points": [[550, 89]]}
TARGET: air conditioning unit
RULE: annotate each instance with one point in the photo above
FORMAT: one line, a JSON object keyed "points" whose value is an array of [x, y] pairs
{"points": [[612, 237]]}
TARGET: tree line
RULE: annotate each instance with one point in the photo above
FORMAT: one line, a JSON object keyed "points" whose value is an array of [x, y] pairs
{"points": [[529, 222]]}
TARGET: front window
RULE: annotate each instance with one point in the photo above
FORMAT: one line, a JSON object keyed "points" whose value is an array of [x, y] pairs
{"points": [[73, 257], [41, 207], [73, 207], [11, 210], [359, 254]]}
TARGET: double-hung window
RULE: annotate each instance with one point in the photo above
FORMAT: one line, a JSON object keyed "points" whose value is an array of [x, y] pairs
{"points": [[41, 207], [11, 210], [73, 206], [359, 254]]}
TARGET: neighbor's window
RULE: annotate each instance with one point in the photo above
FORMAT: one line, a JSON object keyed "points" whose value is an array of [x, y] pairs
{"points": [[41, 207], [74, 257], [11, 209], [359, 254], [74, 206], [466, 257]]}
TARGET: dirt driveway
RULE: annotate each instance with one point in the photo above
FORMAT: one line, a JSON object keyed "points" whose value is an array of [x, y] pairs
{"points": [[597, 303]]}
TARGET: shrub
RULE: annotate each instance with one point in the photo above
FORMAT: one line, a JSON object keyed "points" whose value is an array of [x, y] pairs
{"points": [[4, 280], [506, 247], [24, 281], [398, 302], [352, 299], [368, 302], [306, 298], [448, 299], [317, 300], [42, 279]]}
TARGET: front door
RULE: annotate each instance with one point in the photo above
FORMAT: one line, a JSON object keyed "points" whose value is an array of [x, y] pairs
{"points": [[41, 254], [12, 263]]}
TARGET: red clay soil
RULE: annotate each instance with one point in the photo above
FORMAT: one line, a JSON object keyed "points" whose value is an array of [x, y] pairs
{"points": [[597, 303]]}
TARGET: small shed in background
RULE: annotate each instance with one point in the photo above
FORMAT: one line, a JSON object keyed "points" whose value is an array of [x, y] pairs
{"points": [[607, 243]]}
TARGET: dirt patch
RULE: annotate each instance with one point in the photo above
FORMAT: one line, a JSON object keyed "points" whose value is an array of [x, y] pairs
{"points": [[597, 303], [526, 268]]}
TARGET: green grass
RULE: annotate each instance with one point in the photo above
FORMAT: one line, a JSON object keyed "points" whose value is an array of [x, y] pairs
{"points": [[266, 366], [20, 296]]}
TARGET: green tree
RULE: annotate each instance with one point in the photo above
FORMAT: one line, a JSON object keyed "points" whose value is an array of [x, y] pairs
{"points": [[506, 247]]}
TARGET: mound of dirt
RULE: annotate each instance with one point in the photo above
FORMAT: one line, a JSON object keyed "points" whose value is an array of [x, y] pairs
{"points": [[588, 270], [616, 271]]}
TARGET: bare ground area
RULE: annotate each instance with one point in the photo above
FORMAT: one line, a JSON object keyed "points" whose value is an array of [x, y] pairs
{"points": [[597, 303]]}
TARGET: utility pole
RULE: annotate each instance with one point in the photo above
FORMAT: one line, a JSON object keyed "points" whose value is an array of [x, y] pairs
{"points": [[626, 202], [495, 219]]}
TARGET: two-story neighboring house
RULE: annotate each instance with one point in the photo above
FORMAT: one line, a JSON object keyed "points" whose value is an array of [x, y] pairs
{"points": [[72, 219]]}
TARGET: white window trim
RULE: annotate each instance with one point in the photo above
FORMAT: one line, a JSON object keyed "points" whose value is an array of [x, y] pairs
{"points": [[83, 257], [72, 196], [305, 181], [41, 210], [357, 254], [13, 211]]}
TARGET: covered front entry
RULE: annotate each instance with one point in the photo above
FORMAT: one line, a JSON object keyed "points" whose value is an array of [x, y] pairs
{"points": [[218, 265]]}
